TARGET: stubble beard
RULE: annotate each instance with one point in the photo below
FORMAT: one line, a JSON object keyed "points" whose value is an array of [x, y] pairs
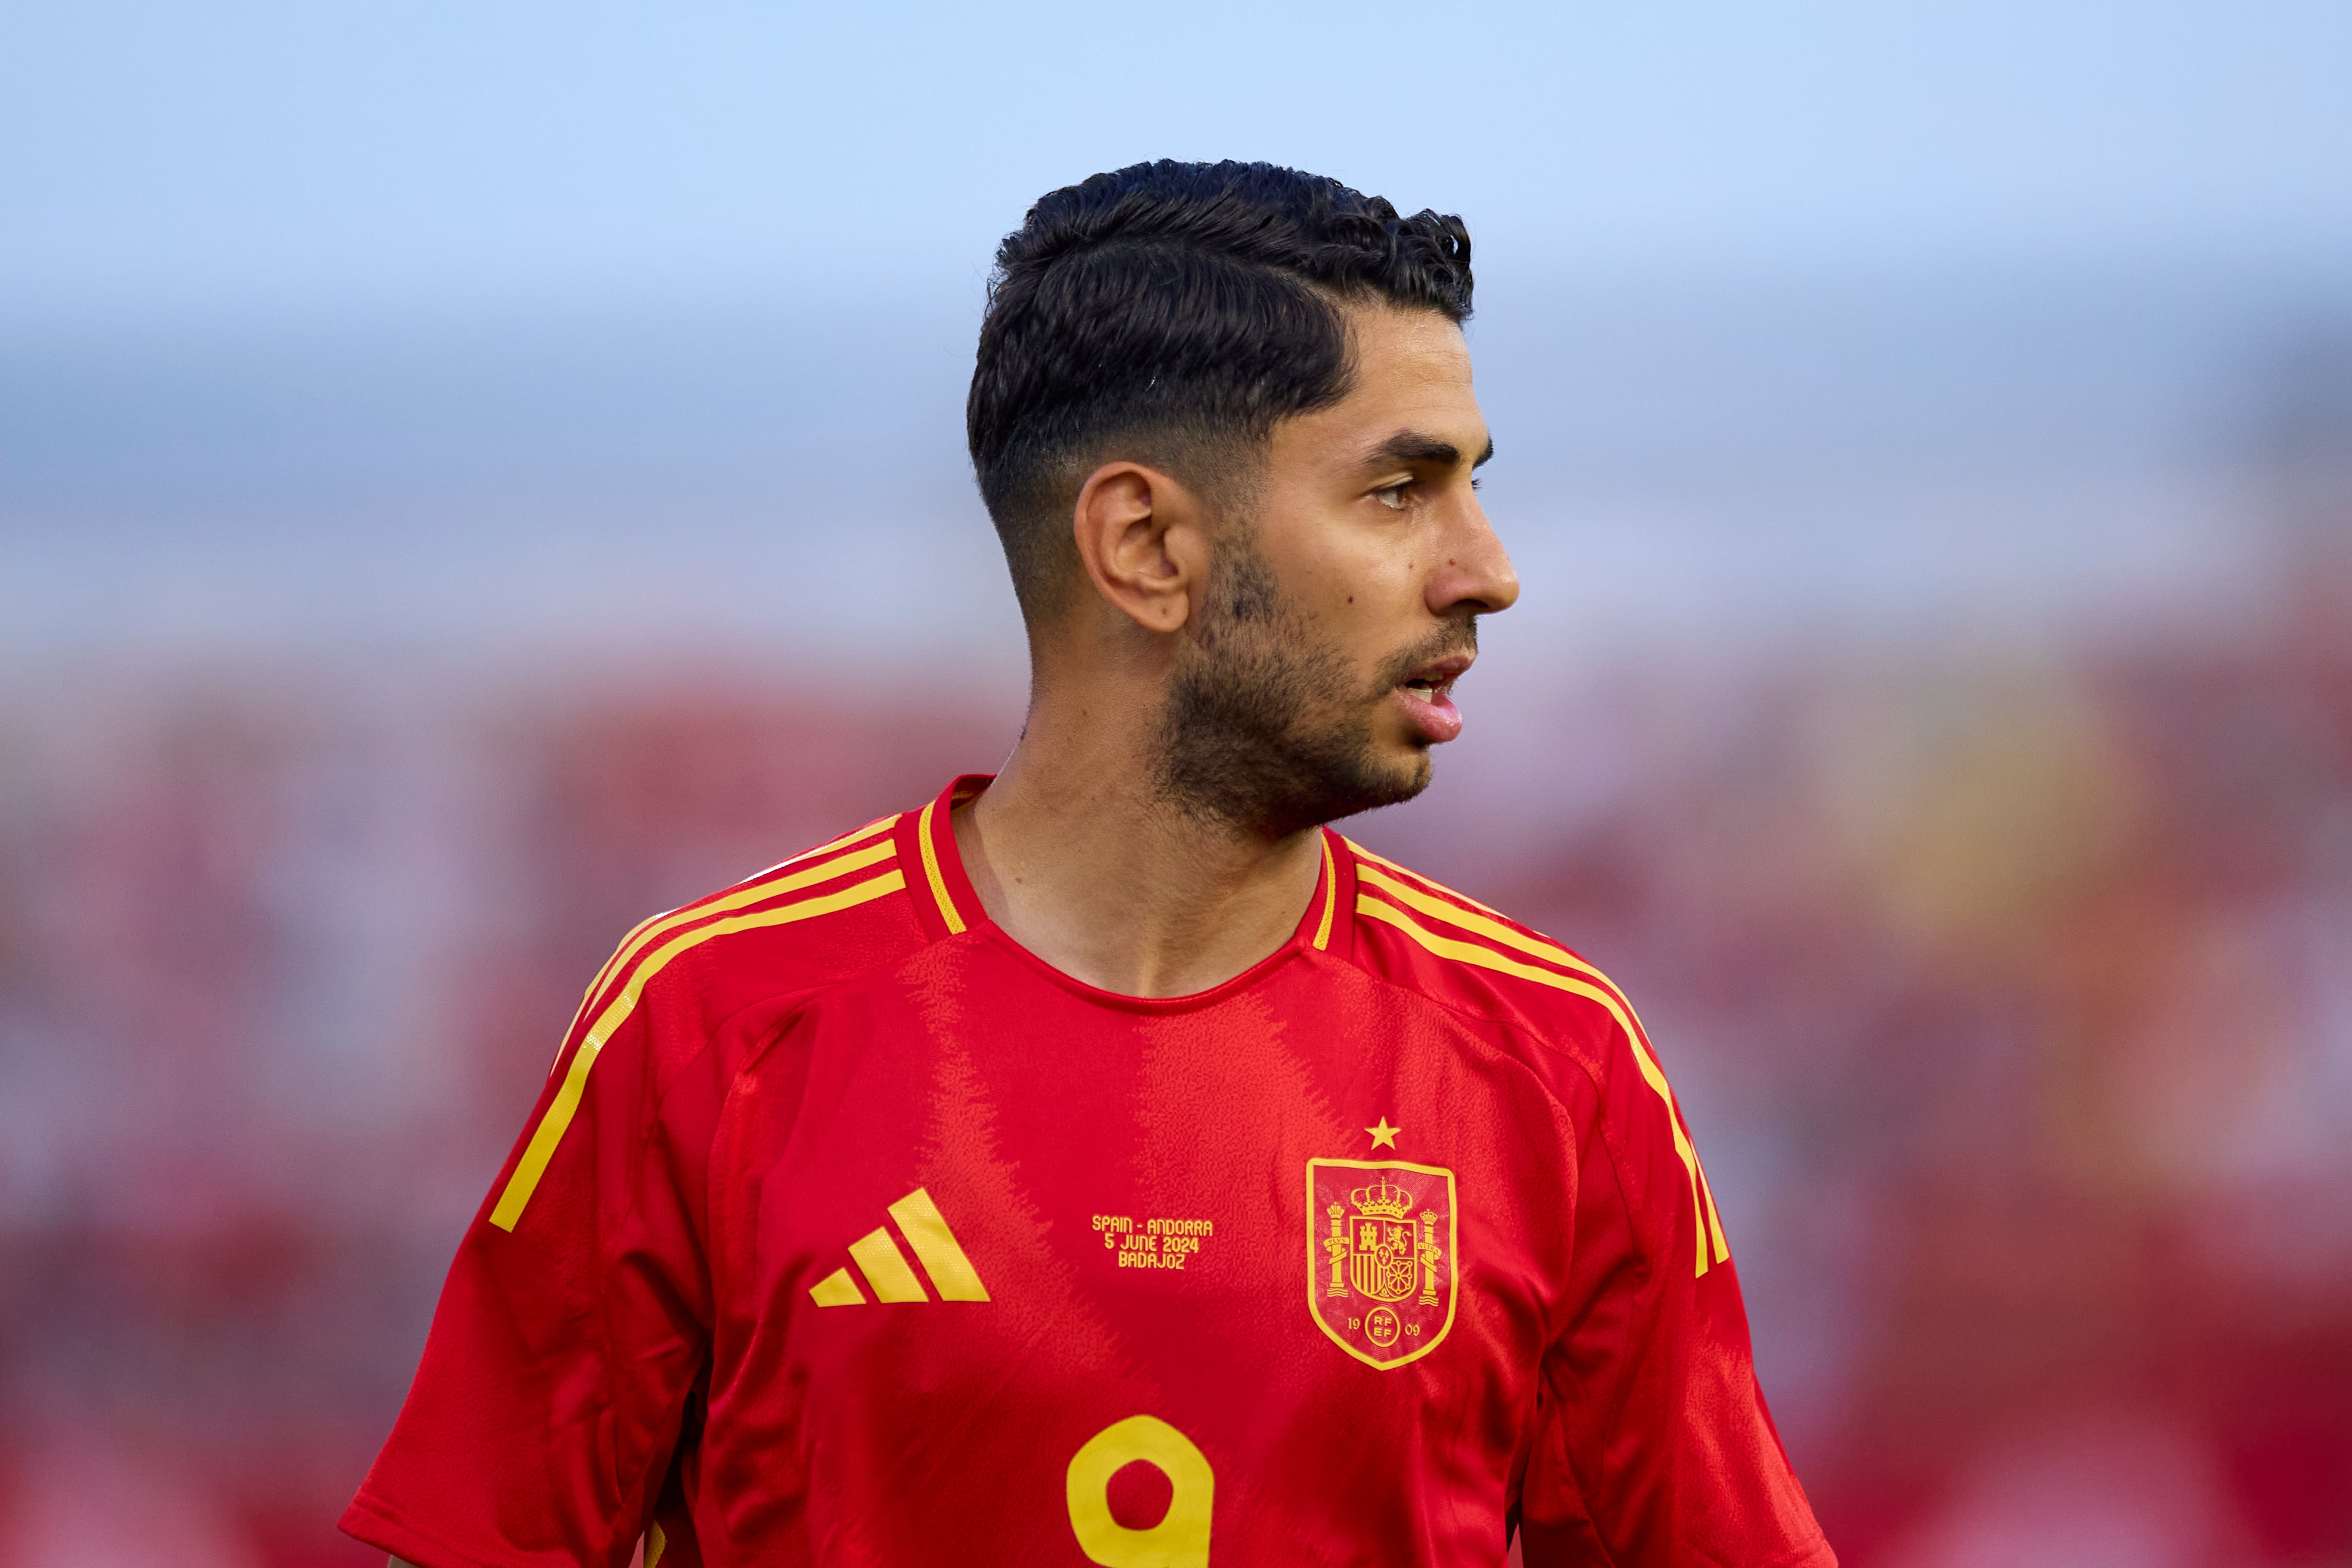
{"points": [[1263, 732]]}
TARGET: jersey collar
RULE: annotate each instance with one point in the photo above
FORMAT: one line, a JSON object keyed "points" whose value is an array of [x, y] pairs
{"points": [[947, 906], [944, 901]]}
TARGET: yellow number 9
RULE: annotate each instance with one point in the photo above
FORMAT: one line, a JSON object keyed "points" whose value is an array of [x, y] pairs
{"points": [[1179, 1540]]}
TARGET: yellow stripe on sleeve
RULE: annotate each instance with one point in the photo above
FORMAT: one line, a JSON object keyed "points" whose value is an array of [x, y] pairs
{"points": [[854, 836], [1496, 930], [1714, 1220], [1363, 853], [752, 892], [1488, 958], [566, 1103], [629, 945], [1493, 929]]}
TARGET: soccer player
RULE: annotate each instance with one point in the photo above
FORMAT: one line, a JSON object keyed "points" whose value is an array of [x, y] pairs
{"points": [[1111, 1162]]}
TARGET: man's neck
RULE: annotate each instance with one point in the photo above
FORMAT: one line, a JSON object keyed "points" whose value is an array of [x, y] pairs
{"points": [[1075, 856]]}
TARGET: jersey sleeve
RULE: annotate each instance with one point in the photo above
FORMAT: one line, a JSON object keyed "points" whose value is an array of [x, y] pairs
{"points": [[564, 1352], [1653, 1446]]}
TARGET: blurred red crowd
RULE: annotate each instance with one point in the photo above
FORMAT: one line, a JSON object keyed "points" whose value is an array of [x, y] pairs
{"points": [[2010, 998]]}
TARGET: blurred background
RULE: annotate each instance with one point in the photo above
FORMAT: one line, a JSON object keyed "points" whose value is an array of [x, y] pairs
{"points": [[472, 477]]}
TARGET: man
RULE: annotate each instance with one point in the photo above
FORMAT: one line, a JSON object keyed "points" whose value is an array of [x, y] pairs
{"points": [[1109, 1163]]}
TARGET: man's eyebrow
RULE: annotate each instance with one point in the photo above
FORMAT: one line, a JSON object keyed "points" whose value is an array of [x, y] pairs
{"points": [[1410, 448]]}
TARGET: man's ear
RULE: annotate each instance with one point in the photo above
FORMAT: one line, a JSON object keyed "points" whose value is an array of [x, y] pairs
{"points": [[1144, 539]]}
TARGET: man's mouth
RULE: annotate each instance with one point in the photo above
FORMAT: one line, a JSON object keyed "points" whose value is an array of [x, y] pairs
{"points": [[1429, 698], [1436, 678]]}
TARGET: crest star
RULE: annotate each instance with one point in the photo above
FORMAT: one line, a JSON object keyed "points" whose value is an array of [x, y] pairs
{"points": [[1383, 1135]]}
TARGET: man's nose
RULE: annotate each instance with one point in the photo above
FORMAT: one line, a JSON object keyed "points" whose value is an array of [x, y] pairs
{"points": [[1477, 574]]}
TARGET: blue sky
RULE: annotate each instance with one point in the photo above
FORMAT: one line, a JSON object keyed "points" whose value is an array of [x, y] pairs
{"points": [[169, 160], [448, 322]]}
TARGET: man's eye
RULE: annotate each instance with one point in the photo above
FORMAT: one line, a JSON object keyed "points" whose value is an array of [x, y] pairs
{"points": [[1394, 496]]}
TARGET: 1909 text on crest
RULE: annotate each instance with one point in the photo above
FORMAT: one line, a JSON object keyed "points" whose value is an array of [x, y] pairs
{"points": [[1382, 1272]]}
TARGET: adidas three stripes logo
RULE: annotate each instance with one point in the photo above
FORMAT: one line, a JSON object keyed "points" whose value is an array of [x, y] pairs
{"points": [[886, 1271]]}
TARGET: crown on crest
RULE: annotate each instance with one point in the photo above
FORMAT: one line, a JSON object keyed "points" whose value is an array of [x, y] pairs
{"points": [[1388, 1201]]}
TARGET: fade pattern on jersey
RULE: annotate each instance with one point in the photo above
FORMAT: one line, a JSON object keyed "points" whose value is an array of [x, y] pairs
{"points": [[1386, 891], [614, 995]]}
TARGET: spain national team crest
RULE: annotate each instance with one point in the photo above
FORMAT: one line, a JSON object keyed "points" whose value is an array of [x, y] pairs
{"points": [[1381, 1262]]}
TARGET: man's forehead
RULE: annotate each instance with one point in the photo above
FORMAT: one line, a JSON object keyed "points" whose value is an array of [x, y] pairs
{"points": [[1401, 341], [1412, 379]]}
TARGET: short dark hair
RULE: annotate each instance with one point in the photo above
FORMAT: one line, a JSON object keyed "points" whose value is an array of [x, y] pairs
{"points": [[1178, 310]]}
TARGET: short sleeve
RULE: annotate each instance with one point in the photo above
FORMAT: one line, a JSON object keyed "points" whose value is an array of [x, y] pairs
{"points": [[1653, 1444], [569, 1337]]}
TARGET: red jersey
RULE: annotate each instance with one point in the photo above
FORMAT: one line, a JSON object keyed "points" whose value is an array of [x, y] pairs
{"points": [[850, 1233]]}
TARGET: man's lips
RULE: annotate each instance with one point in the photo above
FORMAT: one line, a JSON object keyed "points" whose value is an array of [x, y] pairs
{"points": [[1428, 696]]}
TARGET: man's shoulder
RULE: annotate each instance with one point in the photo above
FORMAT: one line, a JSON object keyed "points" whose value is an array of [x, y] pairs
{"points": [[1547, 1001], [1472, 960], [820, 918], [662, 1001]]}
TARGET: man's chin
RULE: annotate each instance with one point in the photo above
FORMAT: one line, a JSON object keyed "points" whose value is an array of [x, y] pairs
{"points": [[1223, 761], [1390, 782], [1411, 767], [1416, 776], [1411, 760]]}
